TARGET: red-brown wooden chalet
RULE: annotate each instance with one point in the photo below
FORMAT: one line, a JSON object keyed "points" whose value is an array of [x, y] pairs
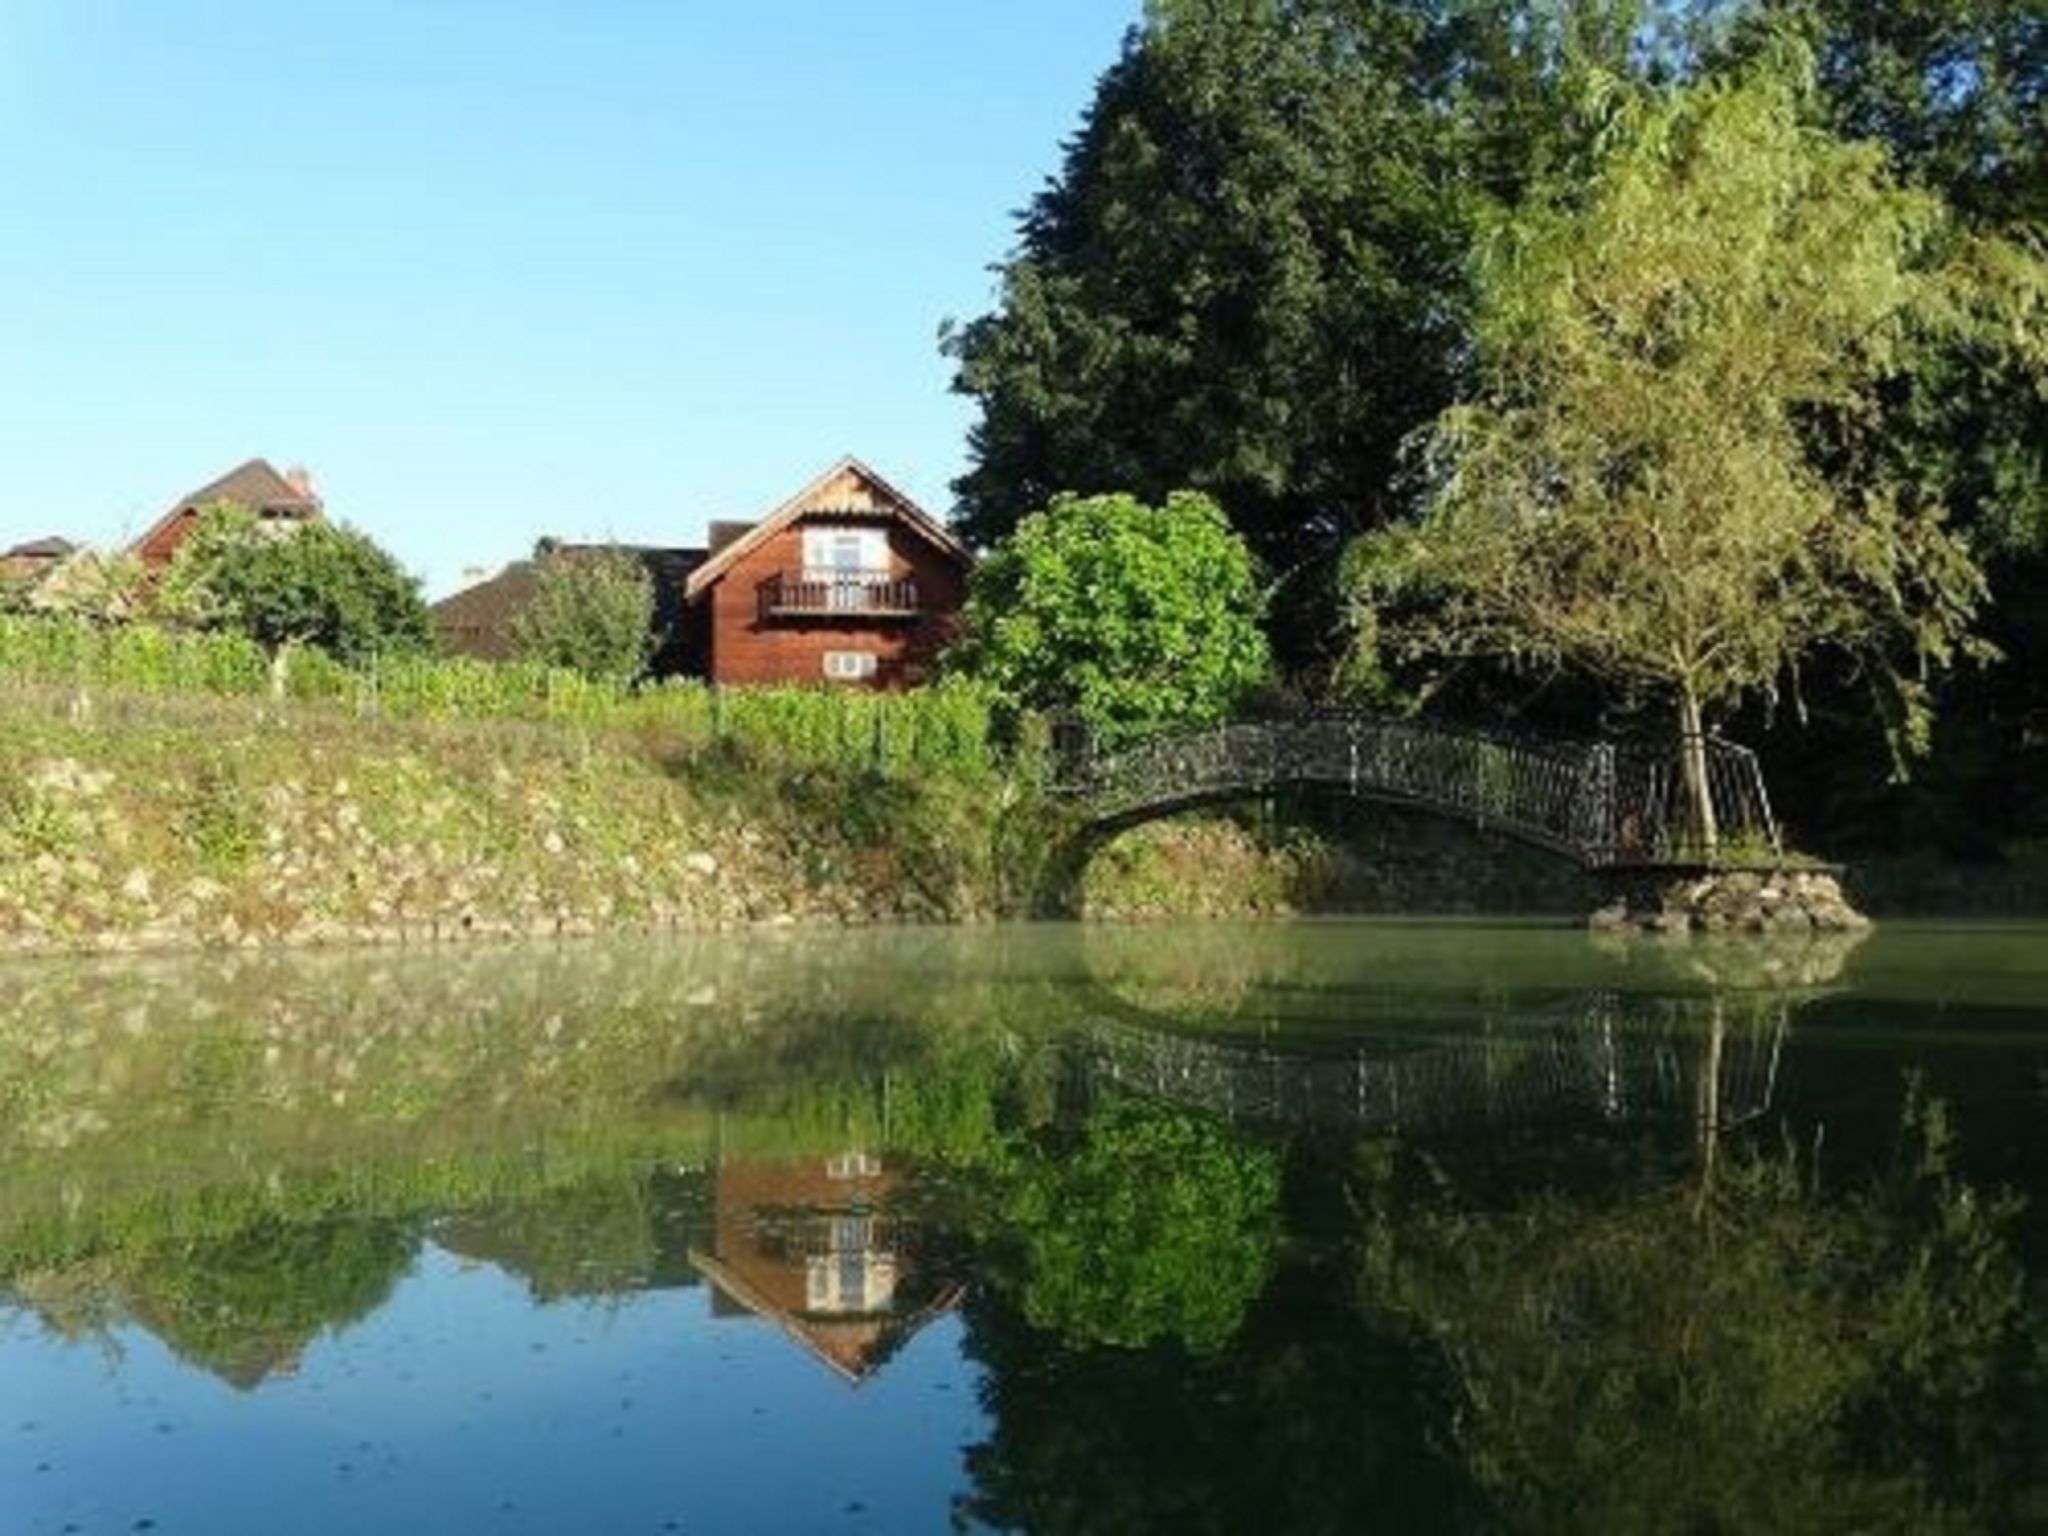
{"points": [[286, 497], [848, 581]]}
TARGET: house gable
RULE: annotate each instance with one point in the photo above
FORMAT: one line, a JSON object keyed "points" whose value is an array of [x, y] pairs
{"points": [[848, 581], [255, 484], [847, 492]]}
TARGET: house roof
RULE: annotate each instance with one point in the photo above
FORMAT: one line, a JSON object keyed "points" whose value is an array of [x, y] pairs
{"points": [[254, 484], [852, 1348], [487, 608], [482, 614], [52, 548], [889, 501]]}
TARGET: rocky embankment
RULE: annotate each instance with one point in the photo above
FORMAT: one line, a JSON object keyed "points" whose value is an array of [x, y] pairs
{"points": [[179, 839], [1791, 900]]}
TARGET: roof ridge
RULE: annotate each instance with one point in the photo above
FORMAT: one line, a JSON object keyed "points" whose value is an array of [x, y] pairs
{"points": [[795, 506]]}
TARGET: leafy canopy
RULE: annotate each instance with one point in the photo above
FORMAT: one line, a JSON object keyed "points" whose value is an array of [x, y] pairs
{"points": [[1631, 492], [1128, 616], [1250, 277], [592, 611], [295, 584]]}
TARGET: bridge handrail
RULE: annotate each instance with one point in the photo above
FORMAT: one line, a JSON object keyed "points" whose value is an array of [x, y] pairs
{"points": [[1603, 803]]}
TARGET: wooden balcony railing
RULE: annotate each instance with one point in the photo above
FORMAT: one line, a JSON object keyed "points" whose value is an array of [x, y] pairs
{"points": [[816, 594]]}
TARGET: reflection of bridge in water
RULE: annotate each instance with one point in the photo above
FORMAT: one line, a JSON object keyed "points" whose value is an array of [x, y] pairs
{"points": [[1610, 1058]]}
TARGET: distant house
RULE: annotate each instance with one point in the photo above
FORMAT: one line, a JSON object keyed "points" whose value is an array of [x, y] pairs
{"points": [[848, 581], [481, 620], [28, 563], [287, 497]]}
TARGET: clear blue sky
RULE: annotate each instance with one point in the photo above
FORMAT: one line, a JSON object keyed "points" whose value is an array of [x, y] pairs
{"points": [[498, 268]]}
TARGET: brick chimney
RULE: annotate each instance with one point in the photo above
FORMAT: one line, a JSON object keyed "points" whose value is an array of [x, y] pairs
{"points": [[300, 479]]}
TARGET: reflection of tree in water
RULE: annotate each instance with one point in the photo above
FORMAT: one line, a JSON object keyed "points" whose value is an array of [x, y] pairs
{"points": [[1533, 1330], [1196, 1313], [1640, 1353], [246, 1306], [1305, 1419], [1139, 1223]]}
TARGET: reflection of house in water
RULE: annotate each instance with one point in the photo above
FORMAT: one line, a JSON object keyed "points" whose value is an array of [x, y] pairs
{"points": [[821, 1248], [604, 1237]]}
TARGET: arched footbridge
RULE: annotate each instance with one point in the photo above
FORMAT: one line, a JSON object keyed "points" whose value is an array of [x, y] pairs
{"points": [[1607, 805]]}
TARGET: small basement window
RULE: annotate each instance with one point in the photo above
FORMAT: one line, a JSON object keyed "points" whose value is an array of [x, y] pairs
{"points": [[849, 666]]}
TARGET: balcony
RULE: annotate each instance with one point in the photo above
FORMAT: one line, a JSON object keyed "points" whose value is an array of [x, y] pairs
{"points": [[837, 595]]}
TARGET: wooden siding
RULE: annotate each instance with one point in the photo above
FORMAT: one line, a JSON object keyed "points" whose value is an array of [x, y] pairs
{"points": [[747, 647]]}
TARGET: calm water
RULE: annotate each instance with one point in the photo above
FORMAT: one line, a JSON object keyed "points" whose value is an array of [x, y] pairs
{"points": [[1327, 1227]]}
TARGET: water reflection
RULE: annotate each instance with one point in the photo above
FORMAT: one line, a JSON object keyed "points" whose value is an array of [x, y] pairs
{"points": [[1317, 1229], [820, 1248]]}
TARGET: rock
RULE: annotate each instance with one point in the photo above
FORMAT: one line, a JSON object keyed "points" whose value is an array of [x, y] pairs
{"points": [[1741, 901], [700, 864]]}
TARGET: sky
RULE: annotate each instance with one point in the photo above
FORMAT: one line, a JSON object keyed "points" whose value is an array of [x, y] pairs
{"points": [[493, 269]]}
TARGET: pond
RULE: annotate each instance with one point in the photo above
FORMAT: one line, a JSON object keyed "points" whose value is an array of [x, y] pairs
{"points": [[1313, 1227]]}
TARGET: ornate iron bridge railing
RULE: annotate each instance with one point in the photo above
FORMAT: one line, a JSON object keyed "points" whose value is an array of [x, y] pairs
{"points": [[1608, 806]]}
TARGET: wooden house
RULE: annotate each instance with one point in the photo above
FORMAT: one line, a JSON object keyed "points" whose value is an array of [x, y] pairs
{"points": [[274, 497], [849, 581]]}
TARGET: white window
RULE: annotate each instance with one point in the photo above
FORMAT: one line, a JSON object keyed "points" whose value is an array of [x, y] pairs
{"points": [[831, 551], [849, 666]]}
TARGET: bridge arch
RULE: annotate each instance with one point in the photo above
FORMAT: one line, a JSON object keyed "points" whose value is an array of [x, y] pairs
{"points": [[1605, 806]]}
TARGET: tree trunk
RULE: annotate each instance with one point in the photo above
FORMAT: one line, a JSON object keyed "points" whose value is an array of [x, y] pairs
{"points": [[1692, 747], [280, 671]]}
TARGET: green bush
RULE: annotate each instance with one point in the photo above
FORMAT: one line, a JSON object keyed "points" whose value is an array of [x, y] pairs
{"points": [[1128, 616]]}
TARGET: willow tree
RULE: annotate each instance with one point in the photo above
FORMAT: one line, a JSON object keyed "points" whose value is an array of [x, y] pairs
{"points": [[1633, 491]]}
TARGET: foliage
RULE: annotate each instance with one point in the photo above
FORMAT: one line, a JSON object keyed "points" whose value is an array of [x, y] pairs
{"points": [[1250, 275], [248, 1305], [945, 727], [86, 584], [1151, 1225], [1744, 1355], [1953, 88], [295, 584], [592, 612], [1129, 616], [1631, 493]]}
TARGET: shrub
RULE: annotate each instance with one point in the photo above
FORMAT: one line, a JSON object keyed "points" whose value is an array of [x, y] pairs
{"points": [[1128, 616]]}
